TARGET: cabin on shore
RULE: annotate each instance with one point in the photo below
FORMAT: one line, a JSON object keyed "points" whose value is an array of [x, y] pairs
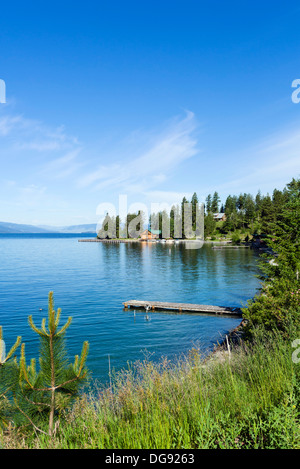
{"points": [[149, 235], [219, 216]]}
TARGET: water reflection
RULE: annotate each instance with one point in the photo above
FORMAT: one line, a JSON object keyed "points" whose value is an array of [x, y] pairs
{"points": [[92, 280]]}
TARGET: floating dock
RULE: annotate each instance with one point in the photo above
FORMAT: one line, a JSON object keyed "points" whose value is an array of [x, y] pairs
{"points": [[182, 307]]}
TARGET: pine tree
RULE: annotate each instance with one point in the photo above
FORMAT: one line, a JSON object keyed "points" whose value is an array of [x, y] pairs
{"points": [[43, 394], [249, 206], [208, 204], [258, 202], [278, 304], [184, 205], [230, 206], [209, 224], [279, 198], [172, 221], [241, 202], [284, 238], [8, 378], [267, 214], [215, 203], [118, 223], [194, 203]]}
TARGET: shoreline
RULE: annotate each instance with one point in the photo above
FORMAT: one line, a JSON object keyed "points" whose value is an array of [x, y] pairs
{"points": [[159, 241], [224, 244]]}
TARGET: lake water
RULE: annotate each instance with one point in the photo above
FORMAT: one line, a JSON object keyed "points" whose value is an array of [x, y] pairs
{"points": [[91, 281]]}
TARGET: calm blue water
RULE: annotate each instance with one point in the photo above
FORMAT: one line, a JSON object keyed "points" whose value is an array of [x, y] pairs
{"points": [[91, 281]]}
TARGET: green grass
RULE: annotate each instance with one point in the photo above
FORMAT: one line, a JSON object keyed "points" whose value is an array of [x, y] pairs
{"points": [[250, 400]]}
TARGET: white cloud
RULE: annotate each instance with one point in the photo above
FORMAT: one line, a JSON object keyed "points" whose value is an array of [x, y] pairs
{"points": [[167, 197], [29, 134], [151, 167], [63, 166], [270, 164], [32, 156], [8, 124]]}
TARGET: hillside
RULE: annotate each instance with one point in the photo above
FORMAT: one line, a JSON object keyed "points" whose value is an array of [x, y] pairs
{"points": [[16, 228], [19, 228]]}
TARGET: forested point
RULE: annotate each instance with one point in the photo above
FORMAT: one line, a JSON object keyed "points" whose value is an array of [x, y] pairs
{"points": [[239, 218]]}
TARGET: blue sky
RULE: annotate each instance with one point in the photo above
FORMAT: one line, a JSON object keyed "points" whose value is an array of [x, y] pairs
{"points": [[153, 100]]}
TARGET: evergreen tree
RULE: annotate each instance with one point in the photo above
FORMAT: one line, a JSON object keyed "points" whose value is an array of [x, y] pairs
{"points": [[232, 222], [43, 394], [241, 202], [230, 206], [9, 375], [279, 198], [172, 221], [285, 236], [278, 306], [209, 224], [118, 224], [249, 206], [194, 203], [267, 214], [184, 205], [258, 203], [215, 203], [208, 204]]}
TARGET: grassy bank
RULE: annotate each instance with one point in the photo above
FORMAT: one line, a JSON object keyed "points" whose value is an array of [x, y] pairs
{"points": [[248, 399]]}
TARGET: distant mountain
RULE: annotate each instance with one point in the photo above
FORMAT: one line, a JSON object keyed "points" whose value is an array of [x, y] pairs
{"points": [[16, 228], [90, 228]]}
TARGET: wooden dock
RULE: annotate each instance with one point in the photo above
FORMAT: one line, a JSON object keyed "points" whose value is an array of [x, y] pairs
{"points": [[228, 246], [110, 241], [182, 307]]}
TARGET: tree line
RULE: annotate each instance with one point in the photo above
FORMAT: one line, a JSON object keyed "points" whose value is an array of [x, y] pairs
{"points": [[179, 222], [244, 214], [277, 307]]}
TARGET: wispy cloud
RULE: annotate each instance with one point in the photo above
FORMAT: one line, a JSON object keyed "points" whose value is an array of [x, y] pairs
{"points": [[167, 197], [50, 152], [29, 134], [152, 166], [33, 155], [9, 123], [63, 166], [271, 163]]}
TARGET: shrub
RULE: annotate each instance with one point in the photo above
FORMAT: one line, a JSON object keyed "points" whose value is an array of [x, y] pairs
{"points": [[235, 237]]}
